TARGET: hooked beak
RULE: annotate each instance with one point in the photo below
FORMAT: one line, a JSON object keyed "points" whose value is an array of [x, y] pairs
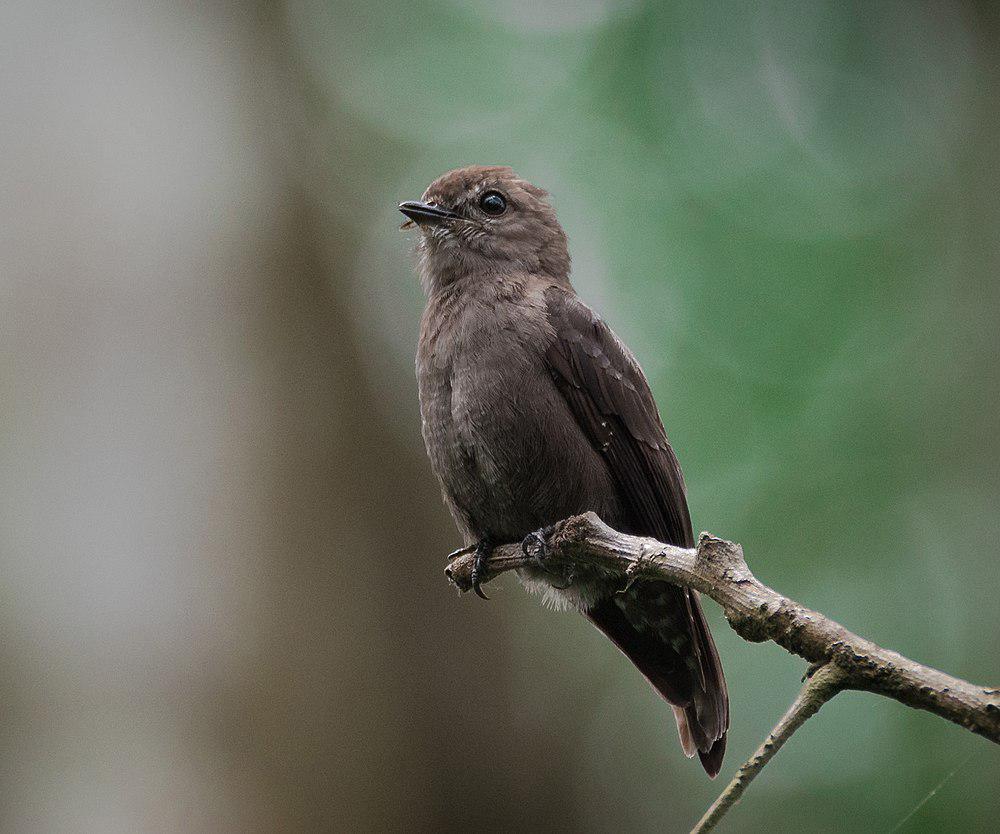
{"points": [[424, 214]]}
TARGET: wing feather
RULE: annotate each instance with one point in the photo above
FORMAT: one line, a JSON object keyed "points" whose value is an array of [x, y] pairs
{"points": [[608, 395]]}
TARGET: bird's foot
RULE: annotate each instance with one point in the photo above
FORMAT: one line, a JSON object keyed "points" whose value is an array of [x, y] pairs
{"points": [[536, 548], [483, 549]]}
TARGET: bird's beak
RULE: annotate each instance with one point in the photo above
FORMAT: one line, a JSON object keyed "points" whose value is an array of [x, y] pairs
{"points": [[424, 214]]}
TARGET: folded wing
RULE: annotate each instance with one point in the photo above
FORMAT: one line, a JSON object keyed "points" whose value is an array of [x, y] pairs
{"points": [[659, 626]]}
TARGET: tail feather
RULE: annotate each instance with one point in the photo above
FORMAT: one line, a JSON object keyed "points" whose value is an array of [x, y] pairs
{"points": [[712, 760], [684, 732], [662, 630]]}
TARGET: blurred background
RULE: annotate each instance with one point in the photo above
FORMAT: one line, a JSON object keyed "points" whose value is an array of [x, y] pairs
{"points": [[222, 602]]}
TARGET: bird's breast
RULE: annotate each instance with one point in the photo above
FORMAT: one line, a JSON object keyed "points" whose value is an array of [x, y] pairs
{"points": [[509, 455]]}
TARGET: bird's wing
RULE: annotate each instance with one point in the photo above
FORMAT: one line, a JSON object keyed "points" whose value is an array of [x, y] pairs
{"points": [[659, 626], [611, 400]]}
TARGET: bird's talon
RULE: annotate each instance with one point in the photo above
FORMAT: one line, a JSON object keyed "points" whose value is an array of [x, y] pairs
{"points": [[536, 548], [483, 550]]}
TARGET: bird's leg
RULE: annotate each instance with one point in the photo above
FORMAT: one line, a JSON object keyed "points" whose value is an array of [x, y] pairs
{"points": [[535, 547], [484, 549]]}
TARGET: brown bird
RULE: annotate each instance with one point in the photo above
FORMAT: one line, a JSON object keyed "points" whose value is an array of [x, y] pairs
{"points": [[533, 410]]}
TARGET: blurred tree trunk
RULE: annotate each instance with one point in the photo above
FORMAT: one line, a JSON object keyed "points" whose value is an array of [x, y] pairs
{"points": [[196, 458]]}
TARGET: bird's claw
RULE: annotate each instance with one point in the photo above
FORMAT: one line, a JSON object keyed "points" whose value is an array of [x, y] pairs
{"points": [[483, 550], [536, 548]]}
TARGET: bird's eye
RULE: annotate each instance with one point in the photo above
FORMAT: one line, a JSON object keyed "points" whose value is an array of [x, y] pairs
{"points": [[492, 202]]}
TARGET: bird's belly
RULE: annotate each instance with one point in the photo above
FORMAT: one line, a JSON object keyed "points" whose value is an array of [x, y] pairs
{"points": [[523, 462]]}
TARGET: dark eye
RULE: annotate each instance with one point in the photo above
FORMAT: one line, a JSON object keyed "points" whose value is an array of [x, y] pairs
{"points": [[492, 202]]}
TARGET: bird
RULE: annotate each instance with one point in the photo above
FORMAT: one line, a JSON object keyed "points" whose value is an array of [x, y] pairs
{"points": [[533, 410]]}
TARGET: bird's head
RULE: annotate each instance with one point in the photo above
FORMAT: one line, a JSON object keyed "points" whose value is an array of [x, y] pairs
{"points": [[485, 220]]}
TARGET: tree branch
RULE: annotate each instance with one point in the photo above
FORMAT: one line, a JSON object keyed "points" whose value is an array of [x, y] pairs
{"points": [[756, 612], [584, 545], [825, 682]]}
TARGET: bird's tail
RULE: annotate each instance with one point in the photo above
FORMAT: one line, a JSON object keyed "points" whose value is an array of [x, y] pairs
{"points": [[662, 630]]}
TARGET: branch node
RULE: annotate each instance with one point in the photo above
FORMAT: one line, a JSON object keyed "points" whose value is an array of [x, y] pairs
{"points": [[577, 530], [826, 681], [724, 558]]}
